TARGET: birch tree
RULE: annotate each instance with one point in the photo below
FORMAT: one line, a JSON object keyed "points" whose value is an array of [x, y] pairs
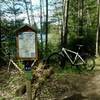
{"points": [[65, 22], [27, 11], [41, 26], [98, 28], [46, 44]]}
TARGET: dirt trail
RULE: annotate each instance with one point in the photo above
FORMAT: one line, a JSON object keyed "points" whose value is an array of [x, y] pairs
{"points": [[61, 85], [93, 86], [68, 84], [92, 89]]}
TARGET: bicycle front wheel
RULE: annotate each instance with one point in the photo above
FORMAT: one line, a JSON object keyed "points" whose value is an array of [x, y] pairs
{"points": [[90, 63], [54, 60]]}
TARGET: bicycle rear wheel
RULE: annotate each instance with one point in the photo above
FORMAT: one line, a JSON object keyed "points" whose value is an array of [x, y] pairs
{"points": [[90, 63], [54, 60]]}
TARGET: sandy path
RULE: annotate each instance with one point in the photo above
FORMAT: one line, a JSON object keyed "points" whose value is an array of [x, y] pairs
{"points": [[92, 89]]}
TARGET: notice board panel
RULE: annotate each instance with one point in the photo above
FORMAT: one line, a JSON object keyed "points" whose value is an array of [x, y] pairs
{"points": [[26, 44]]}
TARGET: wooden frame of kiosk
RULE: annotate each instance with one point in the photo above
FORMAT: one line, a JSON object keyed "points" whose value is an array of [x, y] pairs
{"points": [[26, 43]]}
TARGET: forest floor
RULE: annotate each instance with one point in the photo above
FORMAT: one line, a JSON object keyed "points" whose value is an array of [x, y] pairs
{"points": [[60, 86]]}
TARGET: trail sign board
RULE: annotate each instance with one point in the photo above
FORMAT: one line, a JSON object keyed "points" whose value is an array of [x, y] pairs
{"points": [[26, 44], [26, 40]]}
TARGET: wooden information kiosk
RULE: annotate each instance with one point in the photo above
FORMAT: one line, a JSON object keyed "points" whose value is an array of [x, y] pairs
{"points": [[26, 44]]}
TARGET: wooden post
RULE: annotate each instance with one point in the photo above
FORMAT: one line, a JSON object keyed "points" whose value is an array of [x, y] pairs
{"points": [[26, 43], [28, 73], [28, 89]]}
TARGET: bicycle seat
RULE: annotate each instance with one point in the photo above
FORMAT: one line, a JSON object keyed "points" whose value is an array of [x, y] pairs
{"points": [[79, 45]]}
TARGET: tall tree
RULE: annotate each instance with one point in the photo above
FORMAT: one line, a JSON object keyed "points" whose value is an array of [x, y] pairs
{"points": [[98, 28], [0, 30], [27, 11], [41, 28], [32, 15], [46, 44], [65, 22], [80, 16]]}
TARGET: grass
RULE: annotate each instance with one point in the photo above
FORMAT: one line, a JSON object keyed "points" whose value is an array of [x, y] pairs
{"points": [[67, 69], [71, 70]]}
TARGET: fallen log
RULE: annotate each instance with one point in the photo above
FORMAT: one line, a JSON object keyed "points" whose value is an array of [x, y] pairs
{"points": [[41, 79]]}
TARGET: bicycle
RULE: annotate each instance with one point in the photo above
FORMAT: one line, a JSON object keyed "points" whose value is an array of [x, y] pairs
{"points": [[81, 61]]}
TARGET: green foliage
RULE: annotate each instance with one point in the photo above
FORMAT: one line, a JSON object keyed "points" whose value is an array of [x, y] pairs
{"points": [[87, 40], [8, 39], [20, 64], [82, 29], [28, 75], [70, 69], [2, 98], [52, 48]]}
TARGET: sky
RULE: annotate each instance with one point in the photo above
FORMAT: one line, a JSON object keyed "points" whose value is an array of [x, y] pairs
{"points": [[35, 2]]}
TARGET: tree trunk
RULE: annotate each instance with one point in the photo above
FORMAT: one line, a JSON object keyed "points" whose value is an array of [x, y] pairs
{"points": [[14, 12], [98, 28], [81, 21], [41, 27], [28, 17], [88, 20], [62, 26], [0, 31], [0, 41], [32, 15], [80, 17], [46, 44], [29, 90], [78, 4], [65, 22]]}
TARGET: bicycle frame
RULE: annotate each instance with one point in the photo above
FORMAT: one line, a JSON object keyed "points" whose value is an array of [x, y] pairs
{"points": [[73, 52]]}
